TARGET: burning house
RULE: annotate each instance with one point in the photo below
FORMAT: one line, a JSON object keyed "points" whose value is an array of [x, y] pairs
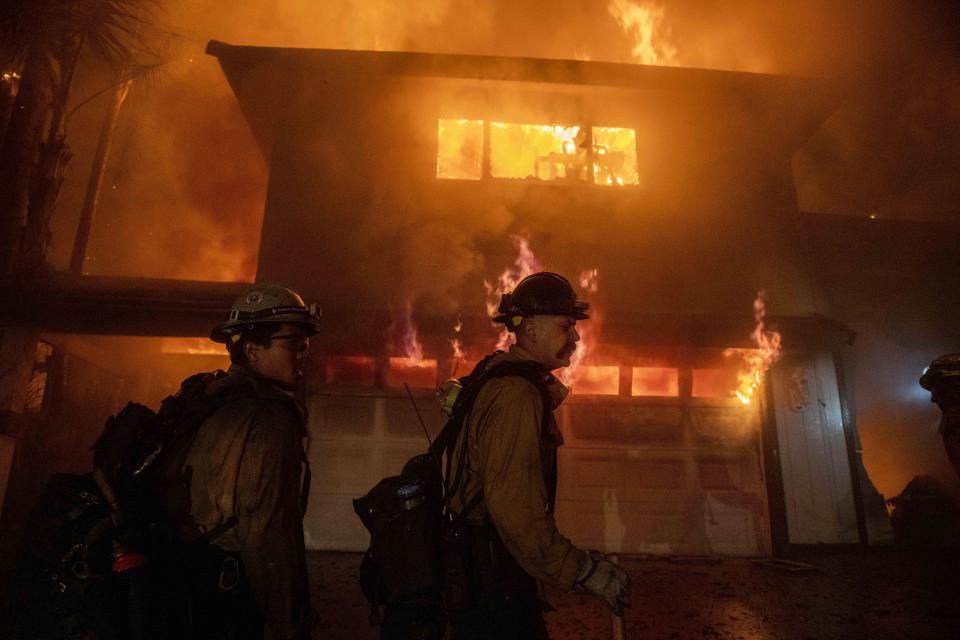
{"points": [[406, 190]]}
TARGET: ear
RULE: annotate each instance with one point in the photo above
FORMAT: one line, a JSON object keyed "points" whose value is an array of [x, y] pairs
{"points": [[529, 329], [251, 351]]}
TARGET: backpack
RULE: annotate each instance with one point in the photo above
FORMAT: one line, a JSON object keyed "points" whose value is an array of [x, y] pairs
{"points": [[413, 558], [89, 529]]}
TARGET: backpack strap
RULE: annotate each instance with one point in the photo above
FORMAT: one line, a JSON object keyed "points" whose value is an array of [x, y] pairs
{"points": [[446, 441]]}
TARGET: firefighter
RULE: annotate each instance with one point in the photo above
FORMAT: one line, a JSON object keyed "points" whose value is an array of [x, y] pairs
{"points": [[942, 380], [240, 488], [509, 475]]}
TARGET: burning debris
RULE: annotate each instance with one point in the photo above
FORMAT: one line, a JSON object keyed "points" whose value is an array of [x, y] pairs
{"points": [[754, 363]]}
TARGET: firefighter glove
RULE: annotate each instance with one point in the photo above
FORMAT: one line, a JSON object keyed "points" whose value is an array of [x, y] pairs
{"points": [[607, 581]]}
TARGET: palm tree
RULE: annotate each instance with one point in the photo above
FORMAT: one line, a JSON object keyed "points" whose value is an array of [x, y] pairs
{"points": [[45, 42]]}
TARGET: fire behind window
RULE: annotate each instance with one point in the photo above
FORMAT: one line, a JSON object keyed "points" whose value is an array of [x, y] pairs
{"points": [[460, 149], [549, 153], [522, 151]]}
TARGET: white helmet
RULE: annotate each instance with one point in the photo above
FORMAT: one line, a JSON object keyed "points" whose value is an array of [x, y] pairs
{"points": [[267, 303]]}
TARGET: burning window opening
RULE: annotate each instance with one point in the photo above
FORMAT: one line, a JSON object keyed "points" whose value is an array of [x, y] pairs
{"points": [[37, 387], [549, 153], [352, 370], [714, 383], [460, 149], [655, 381], [542, 152], [615, 156], [603, 380], [416, 373], [192, 346]]}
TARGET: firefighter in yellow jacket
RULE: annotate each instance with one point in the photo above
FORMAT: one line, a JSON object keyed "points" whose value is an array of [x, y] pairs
{"points": [[240, 488], [507, 477]]}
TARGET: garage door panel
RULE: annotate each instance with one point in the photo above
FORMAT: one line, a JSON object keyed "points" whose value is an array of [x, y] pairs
{"points": [[337, 416], [634, 424], [685, 524], [593, 474], [342, 466]]}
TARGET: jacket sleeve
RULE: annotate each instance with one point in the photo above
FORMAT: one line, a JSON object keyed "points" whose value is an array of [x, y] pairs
{"points": [[513, 486], [270, 525]]}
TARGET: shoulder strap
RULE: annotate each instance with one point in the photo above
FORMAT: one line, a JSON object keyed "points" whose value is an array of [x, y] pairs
{"points": [[181, 414], [446, 441]]}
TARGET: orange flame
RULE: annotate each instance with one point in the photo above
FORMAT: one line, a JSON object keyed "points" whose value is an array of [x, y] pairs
{"points": [[192, 346], [570, 376], [411, 346], [525, 265], [644, 22], [455, 343], [754, 363]]}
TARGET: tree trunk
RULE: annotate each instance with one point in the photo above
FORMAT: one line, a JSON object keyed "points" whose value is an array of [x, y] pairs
{"points": [[51, 165], [21, 147], [92, 198]]}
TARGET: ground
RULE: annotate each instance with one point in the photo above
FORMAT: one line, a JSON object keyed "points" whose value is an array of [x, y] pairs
{"points": [[886, 593], [869, 594]]}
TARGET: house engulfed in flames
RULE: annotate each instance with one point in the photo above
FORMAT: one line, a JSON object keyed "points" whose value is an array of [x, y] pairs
{"points": [[401, 182]]}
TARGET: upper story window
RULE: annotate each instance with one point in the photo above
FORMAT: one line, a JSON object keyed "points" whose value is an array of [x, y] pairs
{"points": [[474, 149], [460, 149]]}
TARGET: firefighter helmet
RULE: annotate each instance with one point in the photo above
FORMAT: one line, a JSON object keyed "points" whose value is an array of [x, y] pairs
{"points": [[267, 303], [944, 371], [540, 294]]}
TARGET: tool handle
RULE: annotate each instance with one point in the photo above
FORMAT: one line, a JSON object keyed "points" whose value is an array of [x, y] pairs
{"points": [[616, 622]]}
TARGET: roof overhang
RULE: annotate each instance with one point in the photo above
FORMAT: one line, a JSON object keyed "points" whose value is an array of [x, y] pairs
{"points": [[793, 107]]}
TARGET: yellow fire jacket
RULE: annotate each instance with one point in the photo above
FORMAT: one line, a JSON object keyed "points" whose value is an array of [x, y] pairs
{"points": [[508, 459], [246, 461]]}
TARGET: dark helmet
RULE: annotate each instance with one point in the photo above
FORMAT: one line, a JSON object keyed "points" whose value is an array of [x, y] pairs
{"points": [[942, 372], [540, 294], [264, 303]]}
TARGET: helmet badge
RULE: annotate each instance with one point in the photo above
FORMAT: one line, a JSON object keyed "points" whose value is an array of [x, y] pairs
{"points": [[254, 297]]}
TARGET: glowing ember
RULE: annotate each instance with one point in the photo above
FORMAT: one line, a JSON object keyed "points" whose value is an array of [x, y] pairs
{"points": [[460, 149], [754, 363], [192, 346], [655, 381], [643, 21]]}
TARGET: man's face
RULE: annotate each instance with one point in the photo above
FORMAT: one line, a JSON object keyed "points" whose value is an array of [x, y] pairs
{"points": [[282, 359], [551, 339]]}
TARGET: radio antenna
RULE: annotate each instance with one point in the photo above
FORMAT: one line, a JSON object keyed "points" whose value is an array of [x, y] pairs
{"points": [[419, 417]]}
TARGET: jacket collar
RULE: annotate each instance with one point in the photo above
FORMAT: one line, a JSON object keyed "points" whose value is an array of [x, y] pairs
{"points": [[516, 353], [240, 377]]}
